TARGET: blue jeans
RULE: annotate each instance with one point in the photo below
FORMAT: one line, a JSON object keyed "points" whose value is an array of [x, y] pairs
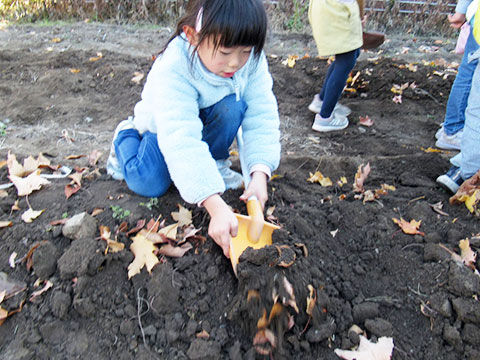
{"points": [[469, 157], [458, 98], [143, 164], [336, 79]]}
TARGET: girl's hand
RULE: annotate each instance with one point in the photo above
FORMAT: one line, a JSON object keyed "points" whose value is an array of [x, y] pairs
{"points": [[223, 223], [456, 20], [257, 187]]}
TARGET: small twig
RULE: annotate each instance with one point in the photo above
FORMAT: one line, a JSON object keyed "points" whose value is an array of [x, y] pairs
{"points": [[416, 199], [417, 292], [409, 245]]}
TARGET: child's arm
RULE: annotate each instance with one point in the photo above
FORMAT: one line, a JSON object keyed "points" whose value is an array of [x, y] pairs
{"points": [[223, 223]]}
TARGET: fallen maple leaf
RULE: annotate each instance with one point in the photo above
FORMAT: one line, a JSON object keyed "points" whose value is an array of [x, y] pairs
{"points": [[30, 215], [319, 178], [143, 250], [409, 227], [174, 251], [169, 231], [467, 254], [382, 350], [112, 245], [360, 177], [183, 216], [27, 185], [93, 157]]}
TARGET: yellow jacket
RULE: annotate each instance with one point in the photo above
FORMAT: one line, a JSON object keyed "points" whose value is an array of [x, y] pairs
{"points": [[476, 26], [336, 26]]}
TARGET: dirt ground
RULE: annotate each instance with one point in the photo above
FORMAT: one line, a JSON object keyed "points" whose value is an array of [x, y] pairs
{"points": [[364, 269]]}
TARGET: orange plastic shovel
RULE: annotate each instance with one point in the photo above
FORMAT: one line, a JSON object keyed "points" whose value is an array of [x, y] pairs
{"points": [[253, 230]]}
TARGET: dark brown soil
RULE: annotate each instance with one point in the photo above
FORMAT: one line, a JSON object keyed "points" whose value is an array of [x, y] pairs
{"points": [[364, 269]]}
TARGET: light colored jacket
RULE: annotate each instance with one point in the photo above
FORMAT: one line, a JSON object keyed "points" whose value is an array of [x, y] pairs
{"points": [[177, 88], [336, 26]]}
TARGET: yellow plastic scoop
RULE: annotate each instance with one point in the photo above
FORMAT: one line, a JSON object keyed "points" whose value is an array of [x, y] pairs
{"points": [[253, 230]]}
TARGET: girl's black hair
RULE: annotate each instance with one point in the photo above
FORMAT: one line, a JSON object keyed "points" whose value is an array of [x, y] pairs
{"points": [[229, 23]]}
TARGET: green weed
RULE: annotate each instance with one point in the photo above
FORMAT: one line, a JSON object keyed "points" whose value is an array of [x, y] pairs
{"points": [[119, 213], [295, 22], [150, 204]]}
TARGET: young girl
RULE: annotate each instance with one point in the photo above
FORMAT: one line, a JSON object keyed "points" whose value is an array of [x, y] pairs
{"points": [[211, 78], [337, 30]]}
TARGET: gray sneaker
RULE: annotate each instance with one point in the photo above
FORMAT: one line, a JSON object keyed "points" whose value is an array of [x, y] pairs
{"points": [[449, 142], [232, 179], [316, 106], [334, 123]]}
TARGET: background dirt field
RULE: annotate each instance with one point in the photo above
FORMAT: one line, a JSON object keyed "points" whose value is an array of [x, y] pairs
{"points": [[54, 99]]}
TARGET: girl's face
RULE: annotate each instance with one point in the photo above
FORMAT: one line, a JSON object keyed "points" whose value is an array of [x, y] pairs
{"points": [[223, 61]]}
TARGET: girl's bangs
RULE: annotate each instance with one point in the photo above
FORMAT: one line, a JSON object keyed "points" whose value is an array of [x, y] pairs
{"points": [[237, 26]]}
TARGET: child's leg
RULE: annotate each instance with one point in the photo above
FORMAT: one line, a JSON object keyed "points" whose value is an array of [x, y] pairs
{"points": [[336, 80], [458, 98], [220, 124], [142, 162]]}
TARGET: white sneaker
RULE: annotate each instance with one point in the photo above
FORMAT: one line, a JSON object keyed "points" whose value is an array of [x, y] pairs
{"points": [[316, 106], [439, 132], [449, 142], [113, 166], [232, 179], [333, 123]]}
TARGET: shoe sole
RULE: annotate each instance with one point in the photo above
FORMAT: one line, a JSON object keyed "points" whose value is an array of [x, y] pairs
{"points": [[448, 184], [328, 128], [446, 146]]}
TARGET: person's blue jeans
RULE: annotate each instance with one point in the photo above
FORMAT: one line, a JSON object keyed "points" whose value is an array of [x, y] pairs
{"points": [[458, 98], [335, 80], [469, 157], [143, 164]]}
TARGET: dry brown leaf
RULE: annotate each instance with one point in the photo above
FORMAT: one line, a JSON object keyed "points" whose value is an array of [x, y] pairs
{"points": [[319, 178], [175, 251], [93, 157], [97, 211], [289, 289], [382, 350], [182, 216], [3, 193], [47, 285], [112, 245], [14, 167], [203, 335], [16, 205], [137, 77], [74, 157], [365, 121], [468, 255], [143, 250], [4, 224], [360, 177], [30, 215], [77, 178], [303, 247], [311, 300], [169, 231], [71, 189], [469, 193], [27, 185], [409, 227]]}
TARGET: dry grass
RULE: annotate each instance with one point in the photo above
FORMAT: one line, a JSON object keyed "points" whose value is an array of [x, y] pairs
{"points": [[290, 15]]}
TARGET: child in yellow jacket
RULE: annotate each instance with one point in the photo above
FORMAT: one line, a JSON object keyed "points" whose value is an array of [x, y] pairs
{"points": [[337, 30]]}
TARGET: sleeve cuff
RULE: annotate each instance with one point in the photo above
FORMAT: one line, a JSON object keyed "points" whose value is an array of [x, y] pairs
{"points": [[262, 168]]}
